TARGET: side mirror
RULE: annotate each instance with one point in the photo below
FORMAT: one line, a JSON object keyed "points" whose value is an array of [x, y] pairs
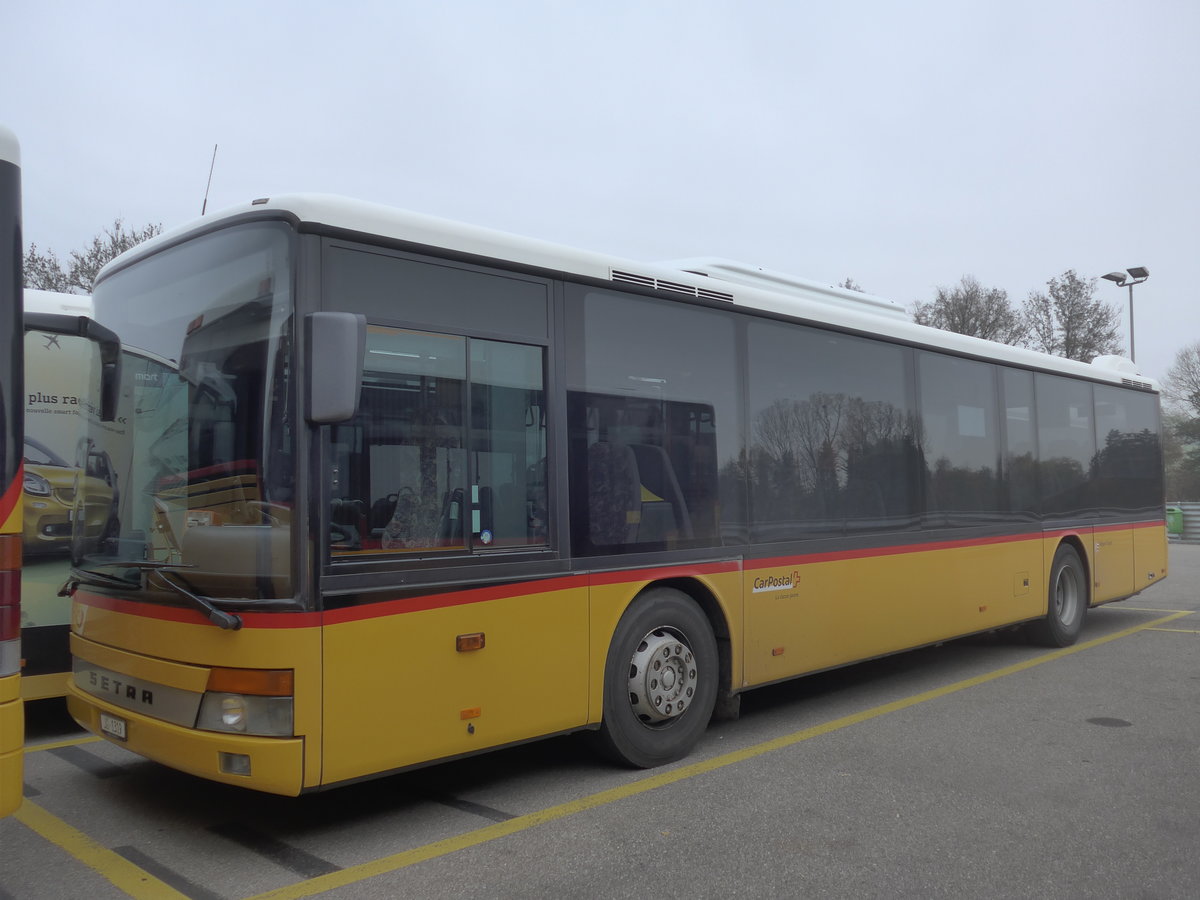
{"points": [[337, 346], [110, 351]]}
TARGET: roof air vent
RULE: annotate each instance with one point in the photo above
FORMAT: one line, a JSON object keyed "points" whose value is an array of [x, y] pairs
{"points": [[660, 284]]}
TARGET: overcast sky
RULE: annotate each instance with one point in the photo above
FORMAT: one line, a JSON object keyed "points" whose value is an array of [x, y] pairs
{"points": [[903, 144]]}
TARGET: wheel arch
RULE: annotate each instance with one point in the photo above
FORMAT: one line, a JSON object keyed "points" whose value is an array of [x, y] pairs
{"points": [[1075, 542], [629, 732], [705, 598]]}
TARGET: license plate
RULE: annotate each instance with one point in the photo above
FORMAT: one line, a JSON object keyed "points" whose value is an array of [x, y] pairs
{"points": [[112, 726]]}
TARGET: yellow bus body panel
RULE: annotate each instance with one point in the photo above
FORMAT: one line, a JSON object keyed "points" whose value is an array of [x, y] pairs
{"points": [[43, 687], [277, 764], [805, 616], [398, 693], [179, 654], [1149, 555], [12, 741], [1112, 564], [147, 668]]}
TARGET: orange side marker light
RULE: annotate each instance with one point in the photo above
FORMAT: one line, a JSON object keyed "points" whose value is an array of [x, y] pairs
{"points": [[464, 643]]}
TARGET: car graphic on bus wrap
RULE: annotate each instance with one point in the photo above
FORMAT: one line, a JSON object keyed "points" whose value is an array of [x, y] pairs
{"points": [[50, 487]]}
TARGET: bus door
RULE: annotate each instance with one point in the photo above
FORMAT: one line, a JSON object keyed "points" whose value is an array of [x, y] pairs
{"points": [[438, 497]]}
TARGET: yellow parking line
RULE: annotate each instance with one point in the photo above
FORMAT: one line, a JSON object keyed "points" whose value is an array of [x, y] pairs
{"points": [[131, 879], [1144, 609], [397, 861], [54, 745]]}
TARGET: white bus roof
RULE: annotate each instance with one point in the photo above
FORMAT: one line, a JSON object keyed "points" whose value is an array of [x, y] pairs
{"points": [[53, 302], [738, 283], [10, 150]]}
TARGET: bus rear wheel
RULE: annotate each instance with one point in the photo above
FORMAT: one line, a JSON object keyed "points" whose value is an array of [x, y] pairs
{"points": [[1067, 602], [660, 680]]}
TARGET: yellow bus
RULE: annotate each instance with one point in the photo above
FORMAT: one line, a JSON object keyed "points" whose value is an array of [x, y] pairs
{"points": [[403, 490], [12, 714]]}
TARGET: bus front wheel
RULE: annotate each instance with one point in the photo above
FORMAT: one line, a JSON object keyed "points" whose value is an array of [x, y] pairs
{"points": [[660, 680], [1066, 604]]}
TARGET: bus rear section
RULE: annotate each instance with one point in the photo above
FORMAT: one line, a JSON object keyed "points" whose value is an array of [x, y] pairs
{"points": [[12, 718]]}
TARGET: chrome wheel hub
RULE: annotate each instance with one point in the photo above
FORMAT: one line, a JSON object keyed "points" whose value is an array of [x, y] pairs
{"points": [[1066, 596], [662, 676]]}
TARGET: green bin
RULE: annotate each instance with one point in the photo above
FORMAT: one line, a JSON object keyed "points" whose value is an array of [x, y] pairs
{"points": [[1174, 520]]}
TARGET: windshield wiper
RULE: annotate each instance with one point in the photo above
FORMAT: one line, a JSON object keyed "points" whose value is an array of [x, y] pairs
{"points": [[100, 579], [96, 579], [229, 621]]}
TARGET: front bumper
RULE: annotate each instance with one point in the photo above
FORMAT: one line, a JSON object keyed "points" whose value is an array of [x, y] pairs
{"points": [[276, 764]]}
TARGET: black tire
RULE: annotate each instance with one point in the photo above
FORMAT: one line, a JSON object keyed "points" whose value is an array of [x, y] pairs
{"points": [[1067, 601], [644, 726]]}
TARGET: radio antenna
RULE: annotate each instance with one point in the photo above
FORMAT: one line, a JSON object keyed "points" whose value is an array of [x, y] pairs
{"points": [[212, 165]]}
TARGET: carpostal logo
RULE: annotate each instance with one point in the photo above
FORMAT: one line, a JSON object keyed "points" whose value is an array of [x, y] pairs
{"points": [[763, 583]]}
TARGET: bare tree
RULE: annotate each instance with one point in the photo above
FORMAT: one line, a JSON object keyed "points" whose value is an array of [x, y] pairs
{"points": [[1068, 321], [1182, 381], [850, 284], [970, 308], [43, 271]]}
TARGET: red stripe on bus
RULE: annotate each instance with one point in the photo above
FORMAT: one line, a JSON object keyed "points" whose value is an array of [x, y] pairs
{"points": [[424, 602], [901, 549], [1159, 524], [454, 598], [506, 591], [195, 617], [12, 494], [623, 576]]}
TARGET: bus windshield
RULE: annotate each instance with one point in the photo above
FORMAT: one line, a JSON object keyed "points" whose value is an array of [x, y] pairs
{"points": [[198, 463]]}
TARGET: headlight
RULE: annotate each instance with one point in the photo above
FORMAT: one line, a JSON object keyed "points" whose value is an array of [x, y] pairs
{"points": [[245, 714], [36, 485]]}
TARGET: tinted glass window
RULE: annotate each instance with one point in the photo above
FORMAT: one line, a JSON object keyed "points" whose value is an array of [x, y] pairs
{"points": [[440, 295], [408, 476], [507, 500], [206, 328], [1129, 458], [833, 437], [962, 448], [653, 423], [1067, 443], [1020, 443]]}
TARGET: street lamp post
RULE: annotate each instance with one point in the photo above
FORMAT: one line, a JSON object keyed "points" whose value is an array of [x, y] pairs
{"points": [[1135, 275]]}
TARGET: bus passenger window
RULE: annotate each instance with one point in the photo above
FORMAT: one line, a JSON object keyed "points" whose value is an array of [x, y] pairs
{"points": [[508, 445], [410, 474], [653, 426], [401, 462]]}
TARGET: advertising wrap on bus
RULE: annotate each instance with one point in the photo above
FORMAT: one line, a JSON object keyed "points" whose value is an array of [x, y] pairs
{"points": [[66, 477]]}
